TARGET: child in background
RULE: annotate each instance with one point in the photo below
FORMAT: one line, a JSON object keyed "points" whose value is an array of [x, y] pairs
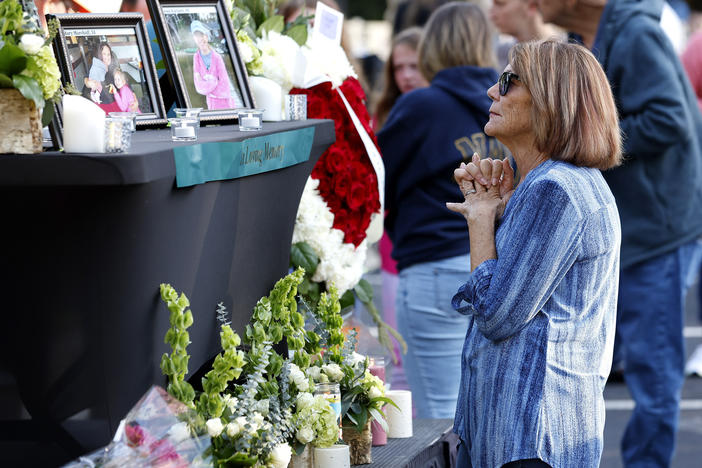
{"points": [[124, 96]]}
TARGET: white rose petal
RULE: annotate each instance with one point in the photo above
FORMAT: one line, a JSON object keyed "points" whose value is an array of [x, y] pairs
{"points": [[280, 456], [333, 371], [305, 435], [214, 427], [314, 372], [31, 43]]}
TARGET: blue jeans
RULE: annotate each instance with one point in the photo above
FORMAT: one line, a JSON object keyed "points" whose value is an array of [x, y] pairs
{"points": [[650, 329], [434, 333]]}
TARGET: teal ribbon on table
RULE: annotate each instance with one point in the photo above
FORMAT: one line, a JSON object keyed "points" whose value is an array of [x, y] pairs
{"points": [[206, 162]]}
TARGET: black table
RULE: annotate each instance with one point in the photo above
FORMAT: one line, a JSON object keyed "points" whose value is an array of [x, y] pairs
{"points": [[85, 242], [432, 445]]}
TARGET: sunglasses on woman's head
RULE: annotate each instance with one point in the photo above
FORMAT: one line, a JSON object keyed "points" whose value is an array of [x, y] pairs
{"points": [[506, 80]]}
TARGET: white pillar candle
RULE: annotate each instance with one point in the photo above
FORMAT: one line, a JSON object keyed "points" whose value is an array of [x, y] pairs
{"points": [[268, 96], [336, 456], [83, 126], [399, 421]]}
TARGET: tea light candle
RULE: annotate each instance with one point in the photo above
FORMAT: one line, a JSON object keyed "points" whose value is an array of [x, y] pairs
{"points": [[83, 125], [336, 456], [184, 131], [399, 421], [249, 121]]}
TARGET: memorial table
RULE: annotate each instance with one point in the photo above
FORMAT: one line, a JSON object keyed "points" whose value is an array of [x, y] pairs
{"points": [[85, 242]]}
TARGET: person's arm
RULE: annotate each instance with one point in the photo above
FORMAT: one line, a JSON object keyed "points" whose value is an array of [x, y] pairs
{"points": [[202, 86], [506, 292], [650, 93]]}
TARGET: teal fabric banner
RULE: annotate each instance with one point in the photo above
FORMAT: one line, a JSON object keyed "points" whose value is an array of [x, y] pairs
{"points": [[207, 162]]}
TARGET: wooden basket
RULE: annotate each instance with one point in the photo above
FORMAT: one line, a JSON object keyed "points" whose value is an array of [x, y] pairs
{"points": [[20, 125]]}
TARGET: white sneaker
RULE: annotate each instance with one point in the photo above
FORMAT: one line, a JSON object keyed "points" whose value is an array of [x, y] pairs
{"points": [[694, 364]]}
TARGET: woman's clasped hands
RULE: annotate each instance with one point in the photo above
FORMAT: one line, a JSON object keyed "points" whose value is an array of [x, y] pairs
{"points": [[486, 185]]}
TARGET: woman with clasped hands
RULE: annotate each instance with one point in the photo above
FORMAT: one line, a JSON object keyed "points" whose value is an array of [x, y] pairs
{"points": [[542, 292]]}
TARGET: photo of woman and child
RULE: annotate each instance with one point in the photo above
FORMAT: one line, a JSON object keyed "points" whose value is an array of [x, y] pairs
{"points": [[108, 84], [203, 57], [108, 71]]}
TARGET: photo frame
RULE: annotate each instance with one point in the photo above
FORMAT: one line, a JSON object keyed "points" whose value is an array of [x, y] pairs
{"points": [[108, 58], [200, 52]]}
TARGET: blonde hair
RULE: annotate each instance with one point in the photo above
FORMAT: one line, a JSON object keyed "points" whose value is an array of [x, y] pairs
{"points": [[574, 117], [456, 34]]}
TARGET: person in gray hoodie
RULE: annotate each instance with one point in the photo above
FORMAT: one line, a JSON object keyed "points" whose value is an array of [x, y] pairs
{"points": [[658, 191]]}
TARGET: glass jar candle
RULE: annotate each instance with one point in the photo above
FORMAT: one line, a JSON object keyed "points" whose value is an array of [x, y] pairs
{"points": [[331, 392]]}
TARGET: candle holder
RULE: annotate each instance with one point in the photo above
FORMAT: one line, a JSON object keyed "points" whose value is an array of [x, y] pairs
{"points": [[189, 112], [250, 120], [184, 128], [296, 105], [332, 393], [130, 116], [118, 134]]}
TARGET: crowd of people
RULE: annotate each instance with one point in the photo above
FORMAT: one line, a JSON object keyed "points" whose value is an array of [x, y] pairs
{"points": [[543, 225]]}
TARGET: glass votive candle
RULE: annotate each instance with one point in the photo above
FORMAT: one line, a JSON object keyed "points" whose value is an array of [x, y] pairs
{"points": [[118, 134], [184, 128], [190, 112], [250, 119], [131, 116], [296, 105], [332, 393]]}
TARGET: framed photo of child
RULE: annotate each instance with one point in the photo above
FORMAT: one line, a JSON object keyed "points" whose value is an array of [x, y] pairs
{"points": [[107, 59], [201, 55]]}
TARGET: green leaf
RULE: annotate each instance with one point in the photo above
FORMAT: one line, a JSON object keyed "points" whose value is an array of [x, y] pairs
{"points": [[364, 291], [298, 33], [47, 115], [378, 416], [303, 255], [347, 299], [274, 23], [13, 60], [160, 65], [6, 81], [29, 88]]}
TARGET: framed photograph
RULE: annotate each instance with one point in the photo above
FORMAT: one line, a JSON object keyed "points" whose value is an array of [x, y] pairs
{"points": [[107, 58], [201, 55]]}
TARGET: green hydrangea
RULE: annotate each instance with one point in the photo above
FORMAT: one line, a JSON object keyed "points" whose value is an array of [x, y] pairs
{"points": [[43, 68], [317, 418]]}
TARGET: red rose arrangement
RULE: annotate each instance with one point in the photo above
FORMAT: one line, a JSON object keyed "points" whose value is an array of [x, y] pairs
{"points": [[347, 181]]}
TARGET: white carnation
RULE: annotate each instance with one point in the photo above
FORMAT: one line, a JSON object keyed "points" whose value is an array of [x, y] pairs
{"points": [[278, 56], [340, 263], [280, 456], [246, 52], [31, 43], [324, 58], [299, 378], [305, 435], [214, 427]]}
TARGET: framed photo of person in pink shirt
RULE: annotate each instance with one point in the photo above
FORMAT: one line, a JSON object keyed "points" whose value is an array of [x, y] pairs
{"points": [[200, 53]]}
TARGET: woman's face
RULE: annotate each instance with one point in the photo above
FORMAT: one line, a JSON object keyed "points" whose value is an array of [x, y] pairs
{"points": [[508, 15], [406, 72], [106, 55], [510, 115]]}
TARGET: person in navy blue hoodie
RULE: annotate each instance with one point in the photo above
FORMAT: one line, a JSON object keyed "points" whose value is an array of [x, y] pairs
{"points": [[428, 133], [658, 191]]}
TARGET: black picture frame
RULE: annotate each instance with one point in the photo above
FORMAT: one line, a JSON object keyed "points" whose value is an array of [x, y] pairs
{"points": [[173, 23], [79, 37]]}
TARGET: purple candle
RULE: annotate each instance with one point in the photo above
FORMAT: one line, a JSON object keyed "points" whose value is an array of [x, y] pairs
{"points": [[376, 366]]}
